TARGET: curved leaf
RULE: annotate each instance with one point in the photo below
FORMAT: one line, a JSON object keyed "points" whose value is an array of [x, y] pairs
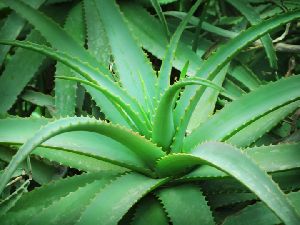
{"points": [[147, 151], [224, 157], [247, 108], [118, 196], [186, 204]]}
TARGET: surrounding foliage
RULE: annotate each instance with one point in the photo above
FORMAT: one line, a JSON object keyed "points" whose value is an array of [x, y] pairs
{"points": [[150, 112]]}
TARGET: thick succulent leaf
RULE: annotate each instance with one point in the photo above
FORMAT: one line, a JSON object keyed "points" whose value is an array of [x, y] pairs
{"points": [[254, 18], [244, 75], [163, 125], [225, 53], [185, 204], [276, 157], [247, 108], [150, 209], [259, 214], [161, 16], [255, 130], [143, 148], [83, 144], [98, 46], [31, 203], [229, 199], [111, 88], [204, 25], [115, 199], [75, 160], [155, 40], [233, 91], [53, 33], [166, 67], [12, 27], [72, 205], [65, 91], [135, 72], [223, 156], [42, 172], [39, 99], [141, 125], [18, 72]]}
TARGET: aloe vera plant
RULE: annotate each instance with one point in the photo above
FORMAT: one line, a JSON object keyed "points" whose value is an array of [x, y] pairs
{"points": [[120, 143]]}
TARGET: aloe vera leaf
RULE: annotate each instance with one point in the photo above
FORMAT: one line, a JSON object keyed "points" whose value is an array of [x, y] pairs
{"points": [[191, 105], [255, 130], [31, 203], [65, 90], [97, 40], [244, 75], [254, 18], [144, 149], [141, 125], [61, 40], [13, 26], [244, 110], [260, 214], [233, 91], [223, 156], [275, 157], [155, 40], [18, 72], [10, 201], [115, 196], [85, 70], [163, 126], [150, 209], [185, 204], [85, 144], [98, 46], [135, 72], [225, 53], [166, 67], [161, 16], [54, 34], [42, 172], [72, 205], [205, 106], [205, 26], [77, 161], [228, 199]]}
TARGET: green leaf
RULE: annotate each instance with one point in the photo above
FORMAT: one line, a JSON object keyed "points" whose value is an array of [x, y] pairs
{"points": [[85, 145], [163, 126], [150, 209], [276, 157], [247, 108], [155, 40], [31, 203], [72, 205], [12, 27], [225, 53], [254, 18], [18, 72], [120, 195], [143, 148], [166, 67], [186, 204], [255, 130], [156, 6], [259, 214], [133, 67], [224, 157], [65, 91], [91, 74]]}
